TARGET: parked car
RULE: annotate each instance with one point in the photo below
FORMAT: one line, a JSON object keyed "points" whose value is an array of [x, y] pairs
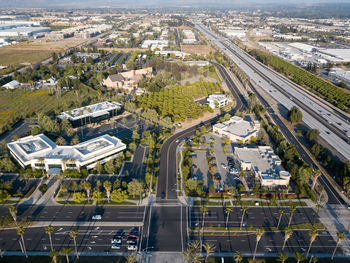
{"points": [[223, 166], [194, 166], [96, 217]]}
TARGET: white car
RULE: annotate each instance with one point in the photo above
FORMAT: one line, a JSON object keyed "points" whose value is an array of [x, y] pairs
{"points": [[96, 217], [132, 247], [223, 166], [115, 246], [116, 241]]}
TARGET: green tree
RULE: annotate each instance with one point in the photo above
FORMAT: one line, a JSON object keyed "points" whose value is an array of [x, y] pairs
{"points": [[281, 213], [209, 248], [54, 254], [97, 196], [73, 234], [288, 232], [341, 236], [98, 167], [60, 141], [312, 135], [109, 167], [238, 257], [49, 230], [119, 195], [282, 257], [13, 213], [135, 187], [313, 236], [4, 196], [299, 257], [132, 147], [131, 258], [317, 174], [79, 197], [295, 115], [107, 185], [259, 233], [86, 185], [21, 231], [66, 251]]}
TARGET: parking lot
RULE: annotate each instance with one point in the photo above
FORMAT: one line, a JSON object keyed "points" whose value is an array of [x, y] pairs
{"points": [[226, 167]]}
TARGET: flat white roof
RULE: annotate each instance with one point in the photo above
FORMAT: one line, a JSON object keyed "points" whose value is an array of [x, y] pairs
{"points": [[93, 110], [40, 146], [237, 126]]}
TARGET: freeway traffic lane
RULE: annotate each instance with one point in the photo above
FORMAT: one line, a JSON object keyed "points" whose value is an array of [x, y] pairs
{"points": [[78, 213]]}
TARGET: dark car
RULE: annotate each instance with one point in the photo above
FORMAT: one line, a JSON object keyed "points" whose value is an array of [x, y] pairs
{"points": [[163, 195]]}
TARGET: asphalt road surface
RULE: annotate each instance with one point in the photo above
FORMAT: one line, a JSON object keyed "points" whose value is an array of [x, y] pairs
{"points": [[167, 180], [78, 213], [89, 239]]}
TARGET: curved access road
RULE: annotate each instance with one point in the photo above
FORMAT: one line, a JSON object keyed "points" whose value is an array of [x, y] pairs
{"points": [[167, 179]]}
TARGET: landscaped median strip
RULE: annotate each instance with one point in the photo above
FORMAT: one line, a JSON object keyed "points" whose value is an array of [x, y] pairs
{"points": [[81, 224], [305, 226]]}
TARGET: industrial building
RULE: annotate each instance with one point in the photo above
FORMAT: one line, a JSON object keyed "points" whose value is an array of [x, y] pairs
{"points": [[264, 163], [39, 152], [237, 129], [92, 113]]}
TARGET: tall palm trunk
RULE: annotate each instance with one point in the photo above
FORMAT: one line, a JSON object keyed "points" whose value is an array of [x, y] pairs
{"points": [[24, 246]]}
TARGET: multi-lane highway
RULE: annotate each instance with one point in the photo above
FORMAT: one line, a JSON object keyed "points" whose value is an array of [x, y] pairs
{"points": [[333, 128]]}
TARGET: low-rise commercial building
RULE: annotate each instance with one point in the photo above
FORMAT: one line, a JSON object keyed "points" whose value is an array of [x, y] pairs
{"points": [[264, 163], [92, 113], [39, 152], [237, 129], [217, 100]]}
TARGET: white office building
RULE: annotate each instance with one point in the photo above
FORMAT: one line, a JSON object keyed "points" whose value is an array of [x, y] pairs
{"points": [[39, 152], [237, 129], [264, 163], [217, 100]]}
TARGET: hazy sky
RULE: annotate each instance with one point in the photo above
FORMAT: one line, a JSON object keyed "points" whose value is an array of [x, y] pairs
{"points": [[143, 3]]}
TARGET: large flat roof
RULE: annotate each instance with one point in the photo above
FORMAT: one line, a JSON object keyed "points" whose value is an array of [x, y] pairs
{"points": [[40, 146], [93, 110]]}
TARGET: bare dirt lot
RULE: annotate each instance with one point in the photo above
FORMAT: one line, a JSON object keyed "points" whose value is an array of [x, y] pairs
{"points": [[198, 49], [34, 51]]}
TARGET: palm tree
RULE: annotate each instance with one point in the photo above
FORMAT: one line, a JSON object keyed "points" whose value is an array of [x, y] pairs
{"points": [[54, 254], [13, 212], [72, 161], [259, 233], [196, 258], [209, 248], [64, 162], [299, 257], [292, 211], [188, 254], [108, 186], [41, 161], [131, 258], [195, 246], [243, 210], [49, 230], [20, 231], [281, 213], [313, 236], [228, 211], [282, 257], [317, 174], [314, 259], [204, 211], [67, 251], [318, 207], [86, 185], [73, 234], [341, 237], [288, 232], [238, 257]]}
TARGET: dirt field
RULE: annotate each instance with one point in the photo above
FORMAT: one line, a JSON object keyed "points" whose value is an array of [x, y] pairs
{"points": [[34, 51], [198, 49]]}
